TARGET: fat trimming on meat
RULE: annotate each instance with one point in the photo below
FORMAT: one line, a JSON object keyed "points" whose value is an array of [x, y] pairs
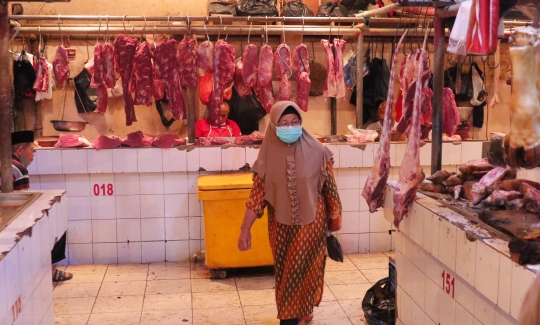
{"points": [[303, 83], [187, 59], [250, 60], [124, 51]]}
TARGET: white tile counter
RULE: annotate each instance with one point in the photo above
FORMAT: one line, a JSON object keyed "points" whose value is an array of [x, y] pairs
{"points": [[452, 272], [140, 204], [26, 292]]}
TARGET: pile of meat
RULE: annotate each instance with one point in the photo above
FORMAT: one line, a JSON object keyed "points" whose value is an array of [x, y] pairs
{"points": [[72, 141], [254, 138], [134, 140]]}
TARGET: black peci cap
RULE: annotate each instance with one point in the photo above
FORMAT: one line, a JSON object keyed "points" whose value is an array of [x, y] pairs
{"points": [[22, 137]]}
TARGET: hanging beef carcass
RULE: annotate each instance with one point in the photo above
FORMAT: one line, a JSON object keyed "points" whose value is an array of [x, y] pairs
{"points": [[282, 62], [223, 77], [374, 188], [187, 62], [450, 112], [250, 61], [410, 172], [143, 75], [124, 51], [330, 87], [522, 142], [339, 48], [61, 65], [205, 56], [167, 71], [239, 85], [303, 83], [264, 89]]}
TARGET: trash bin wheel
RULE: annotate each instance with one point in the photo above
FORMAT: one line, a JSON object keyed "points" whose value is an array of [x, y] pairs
{"points": [[218, 274]]}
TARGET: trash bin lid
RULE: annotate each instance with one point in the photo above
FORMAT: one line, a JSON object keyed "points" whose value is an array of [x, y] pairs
{"points": [[225, 182]]}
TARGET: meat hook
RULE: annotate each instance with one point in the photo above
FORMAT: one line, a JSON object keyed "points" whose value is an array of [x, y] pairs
{"points": [[169, 24], [220, 25], [99, 29], [188, 26], [283, 28], [124, 23], [154, 36], [60, 30], [205, 30], [330, 24], [17, 30], [144, 28], [107, 39], [485, 59], [339, 25], [250, 25], [266, 28], [302, 35]]}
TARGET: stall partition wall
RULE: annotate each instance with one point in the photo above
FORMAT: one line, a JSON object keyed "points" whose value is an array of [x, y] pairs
{"points": [[131, 205], [452, 272]]}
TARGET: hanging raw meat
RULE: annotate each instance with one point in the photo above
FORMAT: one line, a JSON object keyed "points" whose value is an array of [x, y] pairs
{"points": [[108, 66], [250, 61], [450, 113], [187, 59], [374, 189], [266, 96], [223, 77], [61, 65], [142, 75], [408, 102], [42, 76], [522, 142], [124, 51], [282, 62], [239, 85], [167, 71], [205, 56], [339, 48], [264, 69], [427, 108], [410, 172], [303, 83], [330, 87], [158, 87], [97, 77]]}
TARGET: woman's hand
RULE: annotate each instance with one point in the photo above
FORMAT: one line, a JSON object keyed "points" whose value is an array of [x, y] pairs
{"points": [[244, 241]]}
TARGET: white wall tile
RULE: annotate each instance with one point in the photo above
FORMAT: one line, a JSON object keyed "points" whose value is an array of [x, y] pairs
{"points": [[425, 154], [49, 161], [406, 309], [505, 283], [487, 271], [153, 229], [534, 174], [364, 173], [416, 216], [335, 151], [502, 318], [465, 257], [210, 158], [152, 206], [363, 221], [177, 251], [418, 287], [463, 317], [367, 155], [129, 252], [433, 269], [174, 160], [428, 321], [149, 160], [177, 228], [194, 206], [471, 150], [195, 228], [192, 181], [447, 244], [431, 305], [484, 310], [100, 161], [105, 253], [348, 179], [464, 294], [251, 155], [174, 183], [363, 243], [379, 242], [128, 207], [80, 254], [79, 232], [124, 160], [103, 207], [193, 159], [447, 310], [79, 208], [75, 161], [176, 205], [104, 231], [435, 224], [350, 200], [151, 183], [400, 152], [377, 222], [102, 184], [428, 231], [128, 230], [76, 185], [233, 158], [522, 279], [126, 184], [153, 252], [195, 246], [349, 223], [349, 243], [350, 157], [451, 153]]}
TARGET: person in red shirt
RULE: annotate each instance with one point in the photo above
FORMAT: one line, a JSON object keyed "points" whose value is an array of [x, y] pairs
{"points": [[228, 128]]}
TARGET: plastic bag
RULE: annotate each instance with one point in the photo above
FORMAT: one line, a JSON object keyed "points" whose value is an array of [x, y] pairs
{"points": [[332, 9], [334, 248], [222, 8], [361, 135], [457, 42], [355, 6], [246, 112], [379, 304], [296, 8], [349, 70], [256, 8]]}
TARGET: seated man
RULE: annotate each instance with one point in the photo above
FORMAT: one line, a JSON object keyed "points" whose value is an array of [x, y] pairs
{"points": [[228, 128]]}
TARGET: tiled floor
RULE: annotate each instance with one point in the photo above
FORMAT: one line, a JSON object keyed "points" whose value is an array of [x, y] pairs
{"points": [[176, 293]]}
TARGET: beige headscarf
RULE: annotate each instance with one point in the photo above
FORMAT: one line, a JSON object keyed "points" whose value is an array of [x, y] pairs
{"points": [[294, 174]]}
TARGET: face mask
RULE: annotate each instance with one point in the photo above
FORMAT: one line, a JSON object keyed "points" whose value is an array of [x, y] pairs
{"points": [[289, 134]]}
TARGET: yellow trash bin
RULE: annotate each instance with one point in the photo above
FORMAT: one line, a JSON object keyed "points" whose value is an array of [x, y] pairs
{"points": [[224, 199]]}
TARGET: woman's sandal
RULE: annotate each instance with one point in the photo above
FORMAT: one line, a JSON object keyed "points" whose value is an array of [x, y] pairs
{"points": [[305, 320], [60, 276]]}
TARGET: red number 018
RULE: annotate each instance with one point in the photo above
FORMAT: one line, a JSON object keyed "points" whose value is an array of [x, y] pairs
{"points": [[103, 189], [448, 283]]}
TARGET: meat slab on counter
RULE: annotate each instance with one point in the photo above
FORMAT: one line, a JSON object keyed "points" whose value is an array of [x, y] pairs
{"points": [[61, 65], [224, 56], [143, 75], [282, 62], [167, 141], [106, 142], [301, 73], [137, 139], [124, 51], [71, 141], [250, 60], [373, 191], [254, 138], [168, 72], [187, 62], [205, 56]]}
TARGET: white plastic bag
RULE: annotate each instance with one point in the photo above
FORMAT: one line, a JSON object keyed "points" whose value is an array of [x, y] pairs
{"points": [[478, 85], [458, 36], [361, 135]]}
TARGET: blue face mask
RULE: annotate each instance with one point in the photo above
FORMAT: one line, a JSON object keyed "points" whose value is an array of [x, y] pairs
{"points": [[289, 134]]}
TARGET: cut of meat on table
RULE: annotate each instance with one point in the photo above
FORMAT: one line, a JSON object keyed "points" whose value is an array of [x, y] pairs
{"points": [[282, 62], [301, 72], [108, 66], [373, 191], [254, 138], [410, 172], [531, 198], [42, 76], [205, 56], [143, 75], [450, 112], [330, 87], [71, 141], [475, 166], [339, 48], [500, 198], [107, 142], [250, 61], [211, 141], [187, 62], [224, 56], [479, 190], [239, 85], [97, 77], [167, 141], [133, 139], [167, 71], [61, 65], [124, 51], [264, 69]]}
